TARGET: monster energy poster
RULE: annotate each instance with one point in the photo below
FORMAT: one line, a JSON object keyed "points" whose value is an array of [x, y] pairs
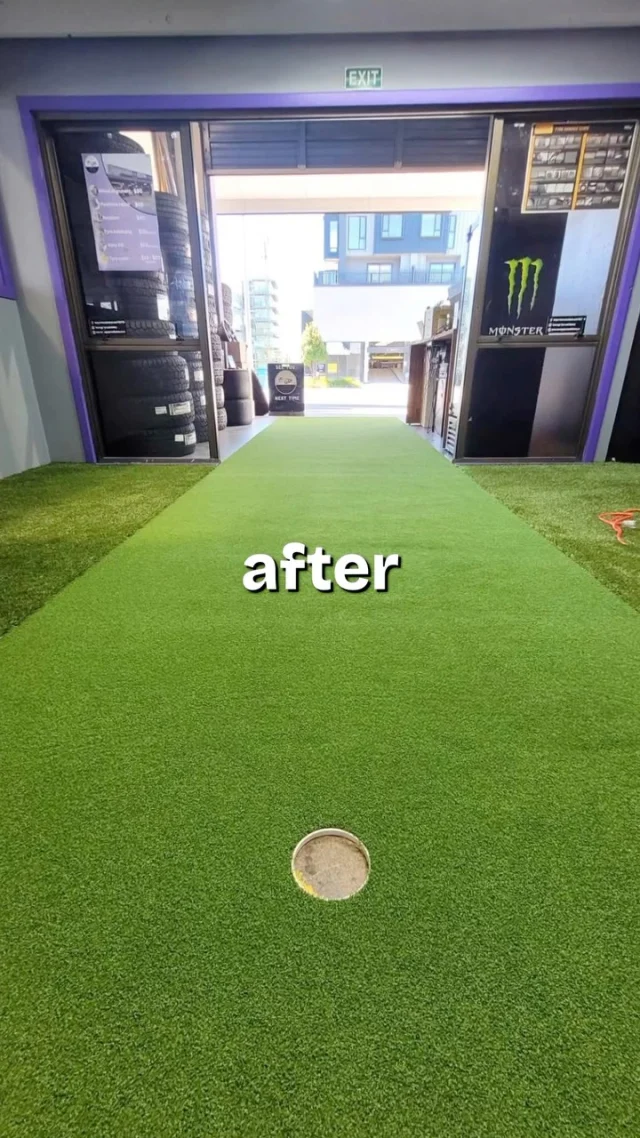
{"points": [[522, 274], [576, 166]]}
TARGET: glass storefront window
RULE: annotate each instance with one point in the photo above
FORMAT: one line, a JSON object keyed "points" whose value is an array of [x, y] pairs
{"points": [[557, 210], [125, 199], [152, 404]]}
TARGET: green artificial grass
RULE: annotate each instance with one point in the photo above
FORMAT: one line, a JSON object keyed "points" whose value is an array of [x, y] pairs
{"points": [[563, 503], [167, 739], [58, 520]]}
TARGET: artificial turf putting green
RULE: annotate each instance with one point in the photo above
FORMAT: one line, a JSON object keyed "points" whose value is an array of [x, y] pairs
{"points": [[563, 502], [167, 739], [58, 520]]}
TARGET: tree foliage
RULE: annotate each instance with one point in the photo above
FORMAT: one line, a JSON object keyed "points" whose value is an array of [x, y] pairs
{"points": [[314, 349]]}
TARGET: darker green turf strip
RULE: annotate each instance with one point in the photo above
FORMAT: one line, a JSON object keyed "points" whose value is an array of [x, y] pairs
{"points": [[563, 503], [168, 737], [58, 520]]}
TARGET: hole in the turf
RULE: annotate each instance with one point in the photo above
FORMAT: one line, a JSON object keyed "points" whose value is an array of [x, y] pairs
{"points": [[331, 864]]}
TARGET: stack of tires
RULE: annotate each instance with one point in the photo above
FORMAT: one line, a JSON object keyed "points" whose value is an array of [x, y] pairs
{"points": [[133, 297], [196, 387], [173, 228], [227, 305], [238, 396], [146, 404]]}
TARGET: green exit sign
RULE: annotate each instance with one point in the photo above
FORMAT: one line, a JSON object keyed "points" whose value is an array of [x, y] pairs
{"points": [[363, 78]]}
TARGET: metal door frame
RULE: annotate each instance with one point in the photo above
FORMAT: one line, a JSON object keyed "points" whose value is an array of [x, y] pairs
{"points": [[599, 339], [584, 98], [87, 345]]}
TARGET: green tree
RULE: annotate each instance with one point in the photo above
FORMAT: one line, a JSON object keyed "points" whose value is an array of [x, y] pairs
{"points": [[314, 349]]}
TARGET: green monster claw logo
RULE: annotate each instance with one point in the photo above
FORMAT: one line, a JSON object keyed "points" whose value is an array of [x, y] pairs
{"points": [[526, 264]]}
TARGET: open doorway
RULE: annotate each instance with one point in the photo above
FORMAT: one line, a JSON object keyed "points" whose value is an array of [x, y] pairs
{"points": [[337, 253]]}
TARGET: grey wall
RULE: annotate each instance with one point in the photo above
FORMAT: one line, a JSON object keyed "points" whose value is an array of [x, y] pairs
{"points": [[288, 17], [22, 440], [36, 67]]}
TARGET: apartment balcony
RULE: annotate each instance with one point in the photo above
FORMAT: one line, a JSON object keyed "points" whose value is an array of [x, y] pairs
{"points": [[443, 273], [263, 305]]}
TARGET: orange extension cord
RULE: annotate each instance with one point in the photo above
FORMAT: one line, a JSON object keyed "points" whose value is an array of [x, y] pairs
{"points": [[615, 520]]}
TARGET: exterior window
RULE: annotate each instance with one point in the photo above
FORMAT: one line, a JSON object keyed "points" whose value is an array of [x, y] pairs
{"points": [[379, 274], [357, 233], [392, 225], [431, 225], [451, 232], [333, 236], [441, 272]]}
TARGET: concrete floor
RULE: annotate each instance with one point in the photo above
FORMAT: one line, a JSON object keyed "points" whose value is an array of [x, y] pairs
{"points": [[231, 439]]}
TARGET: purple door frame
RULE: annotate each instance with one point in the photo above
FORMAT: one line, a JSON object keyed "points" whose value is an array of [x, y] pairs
{"points": [[474, 99]]}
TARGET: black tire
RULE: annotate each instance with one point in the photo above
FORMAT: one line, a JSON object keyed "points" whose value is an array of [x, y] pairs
{"points": [[237, 383], [260, 401], [158, 443], [126, 284], [194, 364], [120, 374], [70, 146], [239, 412], [151, 329], [177, 262], [219, 392], [132, 413], [175, 243], [223, 419], [216, 347], [202, 428], [199, 401], [227, 304], [218, 373], [181, 283], [183, 312], [172, 213], [131, 308]]}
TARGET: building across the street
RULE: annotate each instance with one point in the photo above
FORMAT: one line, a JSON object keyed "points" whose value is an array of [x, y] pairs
{"points": [[265, 326], [389, 268]]}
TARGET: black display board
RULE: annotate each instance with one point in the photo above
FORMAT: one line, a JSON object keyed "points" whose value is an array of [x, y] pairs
{"points": [[522, 274], [503, 402], [286, 389]]}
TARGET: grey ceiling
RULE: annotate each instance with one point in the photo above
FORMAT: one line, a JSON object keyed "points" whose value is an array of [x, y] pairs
{"points": [[35, 18]]}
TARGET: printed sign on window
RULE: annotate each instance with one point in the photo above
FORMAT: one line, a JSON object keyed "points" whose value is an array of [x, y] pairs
{"points": [[123, 212]]}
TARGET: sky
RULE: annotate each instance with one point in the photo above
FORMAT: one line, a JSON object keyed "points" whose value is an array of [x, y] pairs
{"points": [[289, 248]]}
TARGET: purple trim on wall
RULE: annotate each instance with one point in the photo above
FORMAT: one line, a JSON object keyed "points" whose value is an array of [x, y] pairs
{"points": [[443, 97], [57, 278], [616, 331], [7, 282]]}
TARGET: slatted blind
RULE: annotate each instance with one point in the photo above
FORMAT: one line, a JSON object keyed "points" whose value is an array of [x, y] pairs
{"points": [[271, 145]]}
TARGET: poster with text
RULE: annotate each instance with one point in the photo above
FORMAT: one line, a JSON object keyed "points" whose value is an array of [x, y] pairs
{"points": [[123, 212], [576, 166], [286, 389]]}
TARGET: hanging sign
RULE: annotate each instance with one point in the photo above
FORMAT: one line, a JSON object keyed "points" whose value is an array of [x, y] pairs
{"points": [[576, 166], [286, 389], [123, 212]]}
